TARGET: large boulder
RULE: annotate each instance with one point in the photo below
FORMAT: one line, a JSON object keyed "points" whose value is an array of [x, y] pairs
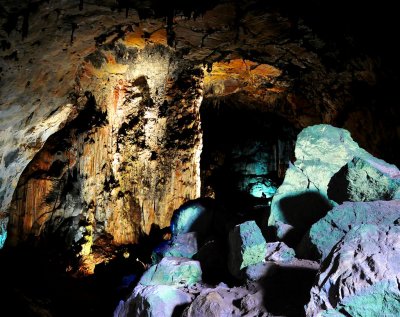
{"points": [[172, 271], [328, 231], [365, 179], [321, 152], [193, 216], [183, 246], [211, 304], [153, 301], [247, 246], [224, 301], [360, 277]]}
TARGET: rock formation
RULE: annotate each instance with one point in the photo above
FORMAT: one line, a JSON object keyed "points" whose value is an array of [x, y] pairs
{"points": [[328, 231], [311, 184], [360, 276]]}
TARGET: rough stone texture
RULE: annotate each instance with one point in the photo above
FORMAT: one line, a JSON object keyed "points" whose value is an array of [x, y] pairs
{"points": [[223, 301], [152, 301], [247, 246], [328, 231], [194, 216], [172, 271], [360, 277], [268, 268], [183, 245], [279, 252], [321, 151], [365, 179], [211, 304]]}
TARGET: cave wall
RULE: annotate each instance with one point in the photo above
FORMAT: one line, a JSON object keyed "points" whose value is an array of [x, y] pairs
{"points": [[143, 69], [128, 159]]}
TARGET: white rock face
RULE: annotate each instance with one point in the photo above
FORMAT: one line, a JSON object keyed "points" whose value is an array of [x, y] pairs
{"points": [[360, 277], [152, 301]]}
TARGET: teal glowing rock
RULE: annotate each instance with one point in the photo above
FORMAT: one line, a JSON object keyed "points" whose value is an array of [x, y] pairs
{"points": [[193, 216], [247, 246], [312, 185], [173, 271], [328, 231], [360, 276], [183, 245]]}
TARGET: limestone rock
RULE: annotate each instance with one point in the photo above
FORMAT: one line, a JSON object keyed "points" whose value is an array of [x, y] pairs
{"points": [[365, 179], [221, 301], [279, 252], [193, 216], [172, 271], [183, 246], [321, 151], [211, 304], [152, 301], [247, 246], [360, 276], [265, 269], [328, 231]]}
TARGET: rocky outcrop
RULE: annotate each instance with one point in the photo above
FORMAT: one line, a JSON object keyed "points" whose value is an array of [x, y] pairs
{"points": [[306, 193], [153, 301], [360, 276], [328, 231], [183, 245], [365, 179], [172, 271], [247, 246], [194, 216]]}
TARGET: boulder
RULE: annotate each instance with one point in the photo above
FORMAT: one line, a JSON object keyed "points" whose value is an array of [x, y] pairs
{"points": [[328, 231], [211, 304], [193, 216], [279, 252], [321, 152], [365, 179], [172, 271], [183, 246], [247, 246], [219, 301], [266, 269], [360, 276], [153, 301]]}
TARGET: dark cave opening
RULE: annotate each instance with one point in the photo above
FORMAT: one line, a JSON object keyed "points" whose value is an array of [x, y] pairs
{"points": [[245, 155]]}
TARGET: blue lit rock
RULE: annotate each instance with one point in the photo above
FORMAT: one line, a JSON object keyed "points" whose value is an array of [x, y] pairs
{"points": [[365, 179], [193, 216], [321, 152], [152, 301], [183, 245], [360, 277], [172, 271], [328, 231], [247, 246], [279, 252]]}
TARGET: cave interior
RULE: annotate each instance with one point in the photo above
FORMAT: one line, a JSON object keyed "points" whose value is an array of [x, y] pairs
{"points": [[240, 148]]}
